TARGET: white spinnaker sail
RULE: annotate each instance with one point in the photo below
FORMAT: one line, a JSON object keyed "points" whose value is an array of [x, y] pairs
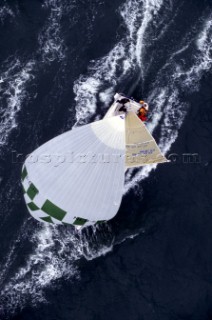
{"points": [[77, 177], [141, 148]]}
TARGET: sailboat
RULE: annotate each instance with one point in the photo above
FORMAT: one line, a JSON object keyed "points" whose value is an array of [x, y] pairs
{"points": [[77, 178]]}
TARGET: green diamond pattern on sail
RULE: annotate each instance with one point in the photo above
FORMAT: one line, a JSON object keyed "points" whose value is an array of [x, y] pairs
{"points": [[54, 211], [47, 219], [32, 206], [24, 174], [80, 221], [32, 191]]}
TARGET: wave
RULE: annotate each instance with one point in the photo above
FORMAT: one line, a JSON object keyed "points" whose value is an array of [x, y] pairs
{"points": [[55, 255], [12, 252], [6, 13], [137, 21], [50, 39], [13, 92], [167, 101], [103, 77], [203, 63], [17, 74], [108, 72]]}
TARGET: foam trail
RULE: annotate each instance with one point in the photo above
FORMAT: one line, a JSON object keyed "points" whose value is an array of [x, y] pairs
{"points": [[174, 110], [87, 89], [50, 40], [137, 16], [11, 256], [54, 256], [109, 71], [42, 267], [204, 58], [13, 92], [28, 282], [5, 13], [18, 74], [151, 8]]}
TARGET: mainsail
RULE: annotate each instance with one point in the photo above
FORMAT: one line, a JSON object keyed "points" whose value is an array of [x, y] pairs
{"points": [[141, 148]]}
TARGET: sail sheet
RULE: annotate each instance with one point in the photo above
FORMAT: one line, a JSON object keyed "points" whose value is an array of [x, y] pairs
{"points": [[78, 177], [141, 148]]}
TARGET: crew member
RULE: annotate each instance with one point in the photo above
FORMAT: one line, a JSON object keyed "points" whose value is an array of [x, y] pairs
{"points": [[143, 111], [124, 102]]}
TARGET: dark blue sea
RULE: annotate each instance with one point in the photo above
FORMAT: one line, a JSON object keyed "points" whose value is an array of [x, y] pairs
{"points": [[61, 62]]}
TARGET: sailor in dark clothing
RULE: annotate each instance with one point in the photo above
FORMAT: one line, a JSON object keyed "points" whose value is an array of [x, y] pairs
{"points": [[123, 103]]}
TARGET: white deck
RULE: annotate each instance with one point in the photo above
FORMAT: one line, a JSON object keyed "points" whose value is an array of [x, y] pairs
{"points": [[113, 110]]}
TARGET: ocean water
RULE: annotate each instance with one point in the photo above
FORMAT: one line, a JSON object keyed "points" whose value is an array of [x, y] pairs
{"points": [[61, 61]]}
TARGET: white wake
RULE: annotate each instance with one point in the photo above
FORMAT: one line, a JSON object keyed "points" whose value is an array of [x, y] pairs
{"points": [[16, 75]]}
